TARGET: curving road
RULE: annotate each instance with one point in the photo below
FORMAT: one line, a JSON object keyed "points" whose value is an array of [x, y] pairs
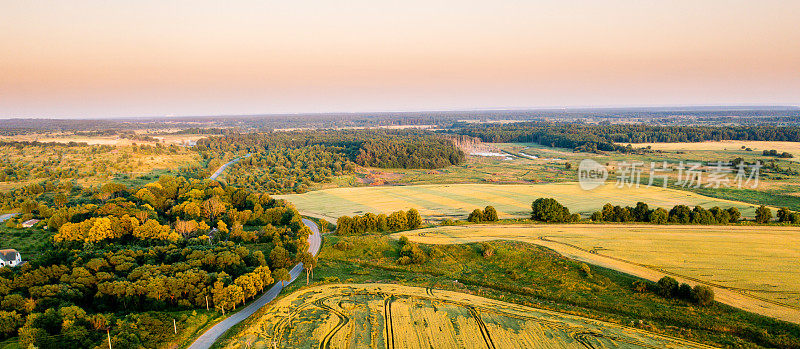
{"points": [[210, 336], [223, 167]]}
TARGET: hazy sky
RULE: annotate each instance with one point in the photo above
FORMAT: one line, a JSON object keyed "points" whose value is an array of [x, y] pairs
{"points": [[148, 58]]}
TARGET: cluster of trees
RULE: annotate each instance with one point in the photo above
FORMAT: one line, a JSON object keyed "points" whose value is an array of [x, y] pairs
{"points": [[551, 211], [604, 137], [668, 287], [410, 253], [489, 214], [681, 214], [372, 223], [293, 161], [45, 297], [773, 152], [165, 245]]}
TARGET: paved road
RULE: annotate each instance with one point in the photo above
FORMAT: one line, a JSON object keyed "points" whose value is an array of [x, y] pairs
{"points": [[223, 167], [207, 339]]}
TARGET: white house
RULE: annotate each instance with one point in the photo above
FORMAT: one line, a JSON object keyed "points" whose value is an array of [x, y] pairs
{"points": [[10, 257], [30, 223]]}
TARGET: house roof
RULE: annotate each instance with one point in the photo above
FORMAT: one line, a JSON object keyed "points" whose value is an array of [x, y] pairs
{"points": [[8, 255], [31, 222]]}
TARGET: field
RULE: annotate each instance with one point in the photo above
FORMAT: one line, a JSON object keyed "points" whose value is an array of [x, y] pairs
{"points": [[439, 201], [758, 262], [89, 165], [394, 316], [730, 146]]}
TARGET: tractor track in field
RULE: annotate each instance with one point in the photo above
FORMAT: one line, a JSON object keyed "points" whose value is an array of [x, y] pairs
{"points": [[343, 320]]}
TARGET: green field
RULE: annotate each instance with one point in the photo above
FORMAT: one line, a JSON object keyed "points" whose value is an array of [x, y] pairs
{"points": [[757, 260], [439, 201], [395, 316]]}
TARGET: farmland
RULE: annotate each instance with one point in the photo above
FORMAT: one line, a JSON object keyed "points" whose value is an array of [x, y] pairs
{"points": [[395, 316], [733, 258], [440, 201]]}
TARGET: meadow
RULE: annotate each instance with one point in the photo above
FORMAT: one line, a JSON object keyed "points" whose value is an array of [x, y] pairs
{"points": [[440, 201], [396, 316], [759, 262]]}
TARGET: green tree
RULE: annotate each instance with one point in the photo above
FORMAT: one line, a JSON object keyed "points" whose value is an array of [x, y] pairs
{"points": [[490, 214], [703, 295], [763, 214], [667, 287], [549, 210], [413, 218], [476, 216], [282, 275], [309, 262], [658, 216], [279, 258]]}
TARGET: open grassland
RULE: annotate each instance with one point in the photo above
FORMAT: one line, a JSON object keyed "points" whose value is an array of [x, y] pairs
{"points": [[166, 139], [759, 263], [89, 165], [395, 316], [441, 201]]}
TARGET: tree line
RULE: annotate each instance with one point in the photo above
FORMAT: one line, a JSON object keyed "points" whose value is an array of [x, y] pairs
{"points": [[294, 161], [605, 137], [380, 223]]}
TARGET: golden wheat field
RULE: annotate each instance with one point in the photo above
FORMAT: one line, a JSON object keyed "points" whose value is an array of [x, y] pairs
{"points": [[734, 146], [439, 201], [760, 261], [395, 316]]}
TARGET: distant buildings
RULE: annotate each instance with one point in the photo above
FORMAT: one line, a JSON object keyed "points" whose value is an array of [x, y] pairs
{"points": [[10, 257], [30, 223]]}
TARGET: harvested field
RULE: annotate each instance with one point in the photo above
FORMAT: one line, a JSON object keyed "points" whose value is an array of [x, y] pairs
{"points": [[395, 316], [759, 263], [440, 201]]}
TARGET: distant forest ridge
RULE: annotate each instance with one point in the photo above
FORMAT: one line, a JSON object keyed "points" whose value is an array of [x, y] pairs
{"points": [[694, 115]]}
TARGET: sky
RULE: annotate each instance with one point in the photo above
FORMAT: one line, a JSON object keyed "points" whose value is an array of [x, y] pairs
{"points": [[82, 58]]}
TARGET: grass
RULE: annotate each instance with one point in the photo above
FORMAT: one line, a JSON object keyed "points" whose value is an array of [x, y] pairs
{"points": [[439, 201], [533, 276], [395, 316], [29, 242], [757, 260]]}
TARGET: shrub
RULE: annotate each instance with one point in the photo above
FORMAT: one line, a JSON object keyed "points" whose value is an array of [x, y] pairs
{"points": [[549, 210], [586, 270], [476, 216], [490, 214], [667, 287], [763, 214], [640, 286], [659, 216], [703, 295], [487, 250]]}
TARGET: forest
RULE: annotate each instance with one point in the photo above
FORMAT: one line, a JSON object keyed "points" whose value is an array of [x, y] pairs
{"points": [[170, 245], [605, 137], [293, 161]]}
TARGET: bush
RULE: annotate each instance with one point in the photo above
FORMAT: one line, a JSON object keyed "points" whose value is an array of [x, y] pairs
{"points": [[659, 216], [763, 214], [549, 210], [667, 287], [586, 270], [487, 250], [640, 286], [476, 216], [703, 295], [490, 214]]}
